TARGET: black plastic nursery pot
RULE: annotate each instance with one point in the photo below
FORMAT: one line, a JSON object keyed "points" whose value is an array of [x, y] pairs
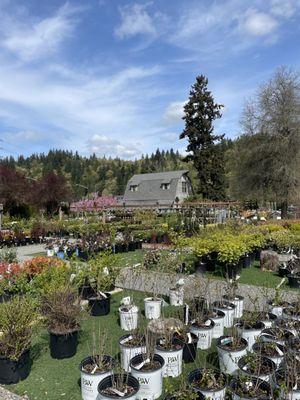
{"points": [[100, 307], [189, 353], [265, 386], [232, 270], [283, 271], [109, 382], [294, 281], [197, 374], [14, 371], [63, 345], [246, 259], [86, 291]]}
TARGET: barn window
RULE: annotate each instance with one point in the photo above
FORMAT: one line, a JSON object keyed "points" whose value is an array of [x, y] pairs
{"points": [[165, 186], [133, 188], [184, 187]]}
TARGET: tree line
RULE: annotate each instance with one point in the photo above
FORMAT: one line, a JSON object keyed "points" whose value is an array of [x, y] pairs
{"points": [[262, 164]]}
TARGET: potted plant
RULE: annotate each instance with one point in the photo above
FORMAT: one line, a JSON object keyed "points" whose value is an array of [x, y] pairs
{"points": [[277, 335], [271, 350], [257, 366], [228, 309], [17, 319], [210, 383], [230, 350], [129, 313], [232, 297], [170, 349], [218, 318], [102, 276], [131, 345], [118, 386], [62, 313], [182, 392], [203, 327], [96, 367], [247, 388], [147, 368], [250, 329], [267, 318], [288, 381]]}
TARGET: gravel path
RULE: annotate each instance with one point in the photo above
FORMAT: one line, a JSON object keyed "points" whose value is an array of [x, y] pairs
{"points": [[197, 285], [25, 252], [6, 395]]}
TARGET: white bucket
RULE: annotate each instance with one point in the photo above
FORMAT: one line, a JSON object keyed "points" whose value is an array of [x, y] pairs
{"points": [[127, 353], [218, 329], [152, 308], [151, 382], [176, 297], [50, 252], [204, 335], [229, 312], [173, 361], [228, 359], [251, 335], [90, 382], [129, 319], [277, 310], [238, 301]]}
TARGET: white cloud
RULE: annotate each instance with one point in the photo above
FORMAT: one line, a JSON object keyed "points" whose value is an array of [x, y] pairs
{"points": [[174, 112], [259, 24], [35, 39], [104, 145], [135, 20], [286, 8]]}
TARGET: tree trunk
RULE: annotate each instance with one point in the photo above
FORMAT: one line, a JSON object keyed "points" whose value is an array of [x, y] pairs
{"points": [[284, 210]]}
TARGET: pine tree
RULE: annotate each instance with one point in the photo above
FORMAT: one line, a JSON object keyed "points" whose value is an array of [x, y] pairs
{"points": [[207, 157]]}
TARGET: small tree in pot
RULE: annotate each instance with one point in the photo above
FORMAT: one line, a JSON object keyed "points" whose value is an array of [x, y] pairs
{"points": [[62, 313], [95, 367], [230, 349], [102, 279], [17, 319], [118, 385], [257, 366]]}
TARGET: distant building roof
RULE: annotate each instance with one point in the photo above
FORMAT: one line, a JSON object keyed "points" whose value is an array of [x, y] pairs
{"points": [[150, 190]]}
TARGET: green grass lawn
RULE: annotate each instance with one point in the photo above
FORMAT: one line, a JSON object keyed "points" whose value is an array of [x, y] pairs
{"points": [[59, 379]]}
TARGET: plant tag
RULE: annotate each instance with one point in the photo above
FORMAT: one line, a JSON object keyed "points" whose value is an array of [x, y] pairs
{"points": [[126, 339], [162, 341], [226, 341], [126, 301], [139, 366], [189, 337], [208, 322], [103, 294], [117, 392], [279, 351], [95, 369], [249, 385]]}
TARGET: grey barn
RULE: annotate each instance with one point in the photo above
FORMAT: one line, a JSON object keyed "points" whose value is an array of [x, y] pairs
{"points": [[158, 189]]}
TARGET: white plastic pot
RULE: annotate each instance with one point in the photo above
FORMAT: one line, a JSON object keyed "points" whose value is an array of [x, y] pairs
{"points": [[176, 297], [50, 252], [267, 377], [238, 301], [204, 334], [229, 312], [129, 319], [90, 382], [152, 308], [277, 360], [151, 382], [218, 329], [127, 353], [173, 361], [277, 310], [228, 359], [251, 335]]}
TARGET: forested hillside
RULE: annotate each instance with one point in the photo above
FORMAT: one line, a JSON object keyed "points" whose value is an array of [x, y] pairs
{"points": [[104, 175]]}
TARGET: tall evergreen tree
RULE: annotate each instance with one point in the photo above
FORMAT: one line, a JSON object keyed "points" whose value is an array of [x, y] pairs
{"points": [[207, 157]]}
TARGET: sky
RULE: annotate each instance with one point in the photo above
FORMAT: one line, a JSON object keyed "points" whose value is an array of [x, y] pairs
{"points": [[111, 76]]}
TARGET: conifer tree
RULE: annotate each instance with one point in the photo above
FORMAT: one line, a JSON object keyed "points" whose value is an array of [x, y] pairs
{"points": [[203, 150]]}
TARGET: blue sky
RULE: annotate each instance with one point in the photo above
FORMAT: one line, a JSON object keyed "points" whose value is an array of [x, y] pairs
{"points": [[111, 76]]}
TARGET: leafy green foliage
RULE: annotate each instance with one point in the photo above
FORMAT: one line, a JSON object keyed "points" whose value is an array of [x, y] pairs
{"points": [[17, 319]]}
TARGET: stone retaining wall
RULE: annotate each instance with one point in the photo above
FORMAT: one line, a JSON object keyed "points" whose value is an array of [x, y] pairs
{"points": [[6, 395], [212, 289]]}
